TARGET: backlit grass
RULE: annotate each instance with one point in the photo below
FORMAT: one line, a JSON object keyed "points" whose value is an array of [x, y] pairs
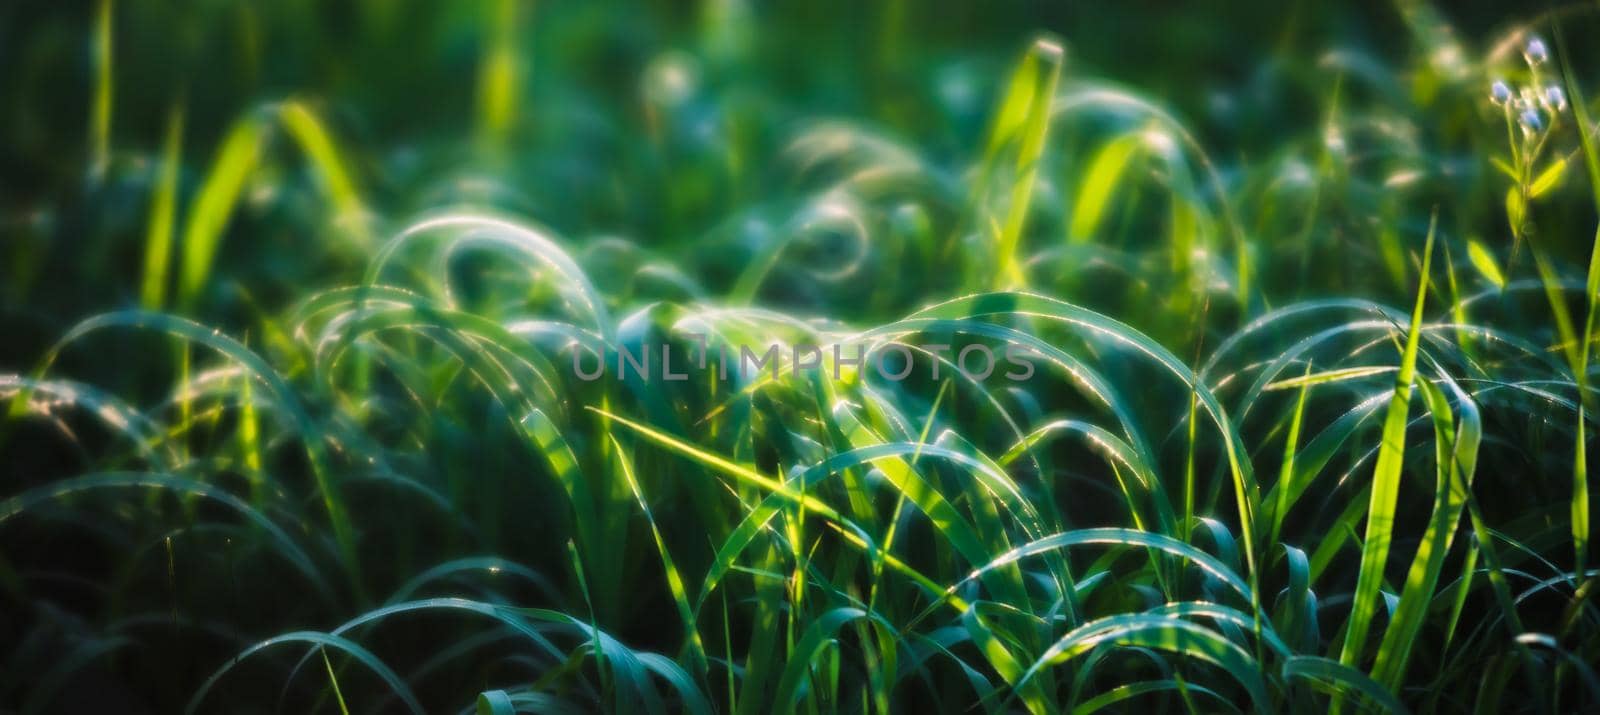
{"points": [[292, 297]]}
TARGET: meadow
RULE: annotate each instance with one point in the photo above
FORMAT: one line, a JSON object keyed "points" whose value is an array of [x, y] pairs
{"points": [[300, 303]]}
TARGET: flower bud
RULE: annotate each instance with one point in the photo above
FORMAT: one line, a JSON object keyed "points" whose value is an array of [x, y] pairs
{"points": [[1531, 122], [1554, 98], [1499, 93], [1536, 53]]}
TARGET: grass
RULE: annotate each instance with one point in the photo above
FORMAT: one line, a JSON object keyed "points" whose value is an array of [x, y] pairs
{"points": [[292, 421]]}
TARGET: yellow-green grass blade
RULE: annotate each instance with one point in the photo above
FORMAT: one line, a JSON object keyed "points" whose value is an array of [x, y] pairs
{"points": [[312, 135], [102, 50], [1456, 446], [500, 73], [214, 204], [338, 694], [1329, 376], [1386, 480], [781, 493], [163, 210], [1580, 472], [1291, 444], [1099, 184], [1484, 261], [1024, 119], [680, 594]]}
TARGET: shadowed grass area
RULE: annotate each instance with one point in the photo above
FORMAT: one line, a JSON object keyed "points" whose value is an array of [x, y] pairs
{"points": [[509, 357]]}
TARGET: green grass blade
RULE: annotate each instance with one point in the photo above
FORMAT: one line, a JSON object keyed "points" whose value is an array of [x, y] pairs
{"points": [[1165, 633], [1456, 463], [1386, 480], [102, 50], [1580, 473], [214, 203], [1025, 119], [321, 640], [680, 594], [500, 73], [1341, 679], [1291, 444], [1099, 183], [308, 130], [158, 237]]}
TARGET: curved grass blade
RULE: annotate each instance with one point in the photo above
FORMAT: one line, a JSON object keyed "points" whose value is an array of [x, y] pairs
{"points": [[1340, 678], [323, 640]]}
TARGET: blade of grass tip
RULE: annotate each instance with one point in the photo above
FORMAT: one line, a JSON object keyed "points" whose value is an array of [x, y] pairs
{"points": [[1049, 54], [1580, 471], [1386, 478], [1483, 260], [158, 234], [214, 203], [100, 111], [317, 142], [495, 702]]}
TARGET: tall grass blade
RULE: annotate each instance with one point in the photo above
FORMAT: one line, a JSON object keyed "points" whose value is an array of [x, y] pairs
{"points": [[1024, 120], [1386, 479], [1456, 442], [218, 195], [163, 210], [102, 51], [1580, 469]]}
